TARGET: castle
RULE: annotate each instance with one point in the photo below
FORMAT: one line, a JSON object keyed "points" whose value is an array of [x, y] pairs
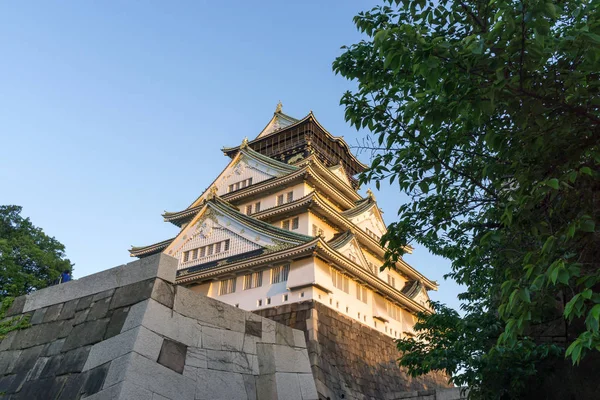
{"points": [[283, 232]]}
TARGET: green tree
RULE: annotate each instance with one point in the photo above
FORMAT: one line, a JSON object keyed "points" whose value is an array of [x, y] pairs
{"points": [[487, 115], [29, 259]]}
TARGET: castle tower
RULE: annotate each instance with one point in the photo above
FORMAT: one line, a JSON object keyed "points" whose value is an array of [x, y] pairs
{"points": [[282, 231]]}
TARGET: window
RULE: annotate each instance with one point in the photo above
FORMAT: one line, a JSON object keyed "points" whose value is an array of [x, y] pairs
{"points": [[253, 280], [239, 185], [365, 318], [361, 293], [227, 286], [375, 323], [259, 303], [393, 311], [268, 300], [237, 305], [293, 223], [285, 297], [317, 231], [210, 249], [249, 209], [290, 197], [358, 315], [280, 274], [186, 256], [280, 200], [372, 267], [337, 304], [301, 294], [347, 309], [391, 281], [257, 207], [373, 235], [340, 281]]}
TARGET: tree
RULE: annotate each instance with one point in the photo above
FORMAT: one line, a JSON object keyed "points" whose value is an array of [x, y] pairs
{"points": [[29, 259], [487, 115]]}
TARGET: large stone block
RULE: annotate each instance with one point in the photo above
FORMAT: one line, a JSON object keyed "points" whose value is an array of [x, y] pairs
{"points": [[221, 339], [89, 332], [139, 339], [131, 294], [220, 385], [159, 265], [212, 311], [279, 358], [173, 325], [172, 355], [16, 307]]}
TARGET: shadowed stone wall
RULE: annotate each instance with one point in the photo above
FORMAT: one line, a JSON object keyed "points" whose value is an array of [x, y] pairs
{"points": [[130, 333], [350, 360]]}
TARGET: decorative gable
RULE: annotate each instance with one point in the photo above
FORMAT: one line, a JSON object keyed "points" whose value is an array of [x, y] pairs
{"points": [[242, 173], [370, 221], [353, 251], [213, 235], [340, 172]]}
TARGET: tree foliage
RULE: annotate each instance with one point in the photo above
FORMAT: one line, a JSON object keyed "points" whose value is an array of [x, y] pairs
{"points": [[487, 115], [29, 259]]}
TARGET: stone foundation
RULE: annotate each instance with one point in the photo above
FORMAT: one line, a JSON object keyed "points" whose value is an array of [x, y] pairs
{"points": [[130, 333], [349, 360]]}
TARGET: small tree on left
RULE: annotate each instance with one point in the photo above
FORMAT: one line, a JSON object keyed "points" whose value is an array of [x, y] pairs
{"points": [[29, 259]]}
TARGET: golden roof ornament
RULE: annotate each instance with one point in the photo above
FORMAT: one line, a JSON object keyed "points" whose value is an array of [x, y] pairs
{"points": [[212, 192], [244, 143], [370, 194], [279, 107]]}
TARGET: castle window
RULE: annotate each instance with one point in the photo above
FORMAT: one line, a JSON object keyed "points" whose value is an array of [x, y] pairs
{"points": [[393, 311], [301, 294], [373, 235], [290, 197], [186, 256], [259, 303], [257, 207], [239, 185], [202, 251], [194, 254], [358, 315], [391, 281], [253, 280], [227, 286], [285, 297], [249, 209], [217, 247], [209, 250], [340, 281], [268, 300], [295, 223], [280, 200], [286, 224], [226, 243], [361, 293], [280, 274]]}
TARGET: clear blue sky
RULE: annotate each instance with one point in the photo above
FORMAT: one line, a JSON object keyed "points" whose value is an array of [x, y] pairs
{"points": [[111, 112]]}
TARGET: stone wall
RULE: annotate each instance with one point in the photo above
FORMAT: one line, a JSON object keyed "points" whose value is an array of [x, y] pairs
{"points": [[349, 360], [130, 333]]}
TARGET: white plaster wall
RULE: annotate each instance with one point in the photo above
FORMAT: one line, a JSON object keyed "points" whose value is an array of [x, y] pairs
{"points": [[269, 201], [328, 230]]}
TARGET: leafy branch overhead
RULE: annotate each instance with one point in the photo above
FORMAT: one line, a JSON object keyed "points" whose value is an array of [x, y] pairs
{"points": [[488, 115]]}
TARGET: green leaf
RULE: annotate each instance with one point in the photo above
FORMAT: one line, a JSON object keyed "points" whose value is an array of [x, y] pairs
{"points": [[553, 183]]}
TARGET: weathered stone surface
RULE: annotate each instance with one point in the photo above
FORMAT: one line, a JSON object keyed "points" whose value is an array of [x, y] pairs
{"points": [[117, 319], [53, 312], [288, 386], [38, 316], [68, 310], [347, 358], [27, 359], [131, 294], [140, 339], [196, 358], [213, 385], [280, 358], [158, 379], [38, 368], [16, 307], [266, 387], [11, 383], [103, 295], [203, 308], [254, 328], [38, 334], [250, 384], [80, 316], [221, 339], [159, 265], [74, 360], [72, 387], [164, 293], [89, 332], [307, 386], [99, 309], [164, 321], [42, 389], [8, 340], [172, 355], [95, 379], [232, 361], [84, 302], [8, 360]]}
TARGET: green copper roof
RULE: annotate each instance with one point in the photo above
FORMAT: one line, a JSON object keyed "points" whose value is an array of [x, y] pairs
{"points": [[361, 206], [340, 239]]}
